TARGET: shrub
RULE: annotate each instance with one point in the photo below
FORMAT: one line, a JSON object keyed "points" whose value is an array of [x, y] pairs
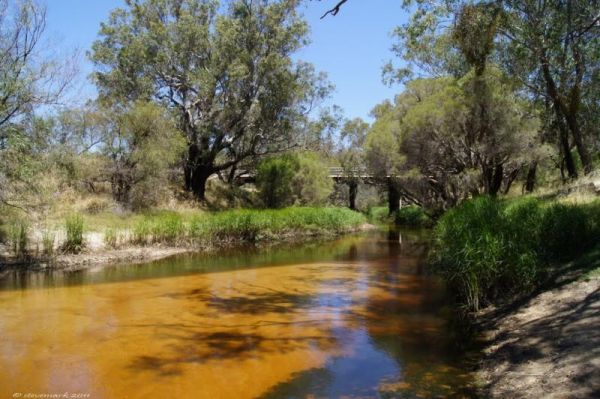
{"points": [[412, 216], [74, 242], [97, 205], [300, 179], [274, 180], [378, 214]]}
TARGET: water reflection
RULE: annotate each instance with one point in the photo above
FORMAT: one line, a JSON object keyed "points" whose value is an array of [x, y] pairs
{"points": [[356, 317]]}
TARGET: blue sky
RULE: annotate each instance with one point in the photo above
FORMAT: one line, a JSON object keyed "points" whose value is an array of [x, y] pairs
{"points": [[351, 47]]}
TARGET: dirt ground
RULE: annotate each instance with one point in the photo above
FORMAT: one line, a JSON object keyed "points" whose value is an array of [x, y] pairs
{"points": [[549, 347]]}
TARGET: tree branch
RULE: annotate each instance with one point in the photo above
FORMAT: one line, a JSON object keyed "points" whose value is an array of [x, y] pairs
{"points": [[335, 10]]}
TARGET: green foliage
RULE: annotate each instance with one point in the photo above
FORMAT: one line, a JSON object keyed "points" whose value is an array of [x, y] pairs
{"points": [[412, 216], [378, 214], [74, 241], [226, 73], [489, 250], [274, 180], [141, 143], [111, 239], [294, 179], [141, 232], [438, 147], [243, 225], [311, 183], [48, 240], [18, 234]]}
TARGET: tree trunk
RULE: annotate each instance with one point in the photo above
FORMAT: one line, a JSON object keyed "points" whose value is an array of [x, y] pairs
{"points": [[584, 154], [121, 188], [565, 148], [199, 177], [352, 192], [509, 179], [531, 177]]}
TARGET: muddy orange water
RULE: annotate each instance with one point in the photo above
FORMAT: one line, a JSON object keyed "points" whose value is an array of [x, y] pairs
{"points": [[356, 317]]}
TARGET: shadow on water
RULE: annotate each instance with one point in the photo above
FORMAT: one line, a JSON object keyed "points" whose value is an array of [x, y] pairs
{"points": [[363, 303], [397, 343]]}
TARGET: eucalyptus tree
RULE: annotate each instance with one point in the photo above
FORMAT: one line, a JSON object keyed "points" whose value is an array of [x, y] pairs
{"points": [[226, 73], [140, 144], [550, 46], [427, 143]]}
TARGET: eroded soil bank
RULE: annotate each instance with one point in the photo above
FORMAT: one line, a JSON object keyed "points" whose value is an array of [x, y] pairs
{"points": [[97, 254], [549, 347]]}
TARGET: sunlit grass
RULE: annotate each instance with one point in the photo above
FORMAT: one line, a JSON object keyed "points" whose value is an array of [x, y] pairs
{"points": [[489, 249]]}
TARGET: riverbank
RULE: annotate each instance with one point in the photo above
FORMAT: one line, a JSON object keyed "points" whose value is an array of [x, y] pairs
{"points": [[547, 344], [158, 236]]}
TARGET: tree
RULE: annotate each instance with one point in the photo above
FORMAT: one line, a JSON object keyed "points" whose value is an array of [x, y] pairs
{"points": [[228, 77], [28, 81], [140, 143], [294, 179], [550, 46], [429, 146]]}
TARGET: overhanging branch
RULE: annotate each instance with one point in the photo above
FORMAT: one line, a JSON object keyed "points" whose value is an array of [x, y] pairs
{"points": [[335, 10]]}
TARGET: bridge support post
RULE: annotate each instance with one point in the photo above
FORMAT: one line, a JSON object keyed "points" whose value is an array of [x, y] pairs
{"points": [[393, 196], [352, 193]]}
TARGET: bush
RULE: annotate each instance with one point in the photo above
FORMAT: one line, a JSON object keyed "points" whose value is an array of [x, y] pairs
{"points": [[274, 180], [378, 214], [74, 242], [412, 216], [294, 179], [489, 250]]}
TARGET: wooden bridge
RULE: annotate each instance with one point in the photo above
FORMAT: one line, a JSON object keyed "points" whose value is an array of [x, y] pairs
{"points": [[352, 179]]}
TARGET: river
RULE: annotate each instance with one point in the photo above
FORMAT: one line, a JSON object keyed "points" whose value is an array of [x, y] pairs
{"points": [[355, 317]]}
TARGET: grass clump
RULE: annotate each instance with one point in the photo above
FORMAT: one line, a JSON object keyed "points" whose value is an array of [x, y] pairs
{"points": [[111, 238], [48, 240], [74, 241], [490, 250], [18, 235], [412, 216]]}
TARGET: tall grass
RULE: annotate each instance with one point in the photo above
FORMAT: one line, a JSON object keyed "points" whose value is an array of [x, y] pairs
{"points": [[242, 225], [489, 250], [48, 239], [74, 241], [111, 238], [18, 234]]}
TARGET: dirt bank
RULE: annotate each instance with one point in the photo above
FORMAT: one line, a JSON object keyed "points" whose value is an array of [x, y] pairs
{"points": [[548, 347], [97, 254]]}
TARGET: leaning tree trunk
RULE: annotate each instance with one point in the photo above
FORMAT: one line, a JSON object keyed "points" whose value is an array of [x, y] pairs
{"points": [[565, 148]]}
